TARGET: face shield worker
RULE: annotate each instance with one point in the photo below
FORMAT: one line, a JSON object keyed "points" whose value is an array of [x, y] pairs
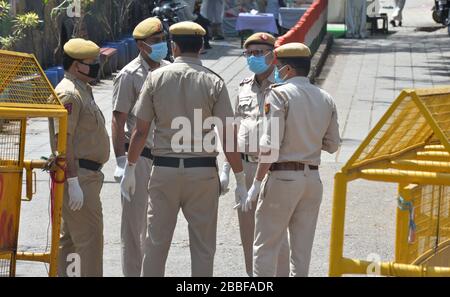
{"points": [[184, 174], [87, 151], [152, 45], [287, 179], [249, 111]]}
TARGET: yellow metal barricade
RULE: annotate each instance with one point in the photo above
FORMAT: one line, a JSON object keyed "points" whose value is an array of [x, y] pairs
{"points": [[26, 93], [410, 146]]}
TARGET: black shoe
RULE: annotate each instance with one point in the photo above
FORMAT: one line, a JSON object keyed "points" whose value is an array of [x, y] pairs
{"points": [[218, 37], [399, 24], [207, 46], [393, 23]]}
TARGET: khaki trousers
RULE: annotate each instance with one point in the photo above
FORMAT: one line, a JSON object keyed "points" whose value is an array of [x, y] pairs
{"points": [[289, 199], [196, 192], [247, 230], [82, 231], [134, 221]]}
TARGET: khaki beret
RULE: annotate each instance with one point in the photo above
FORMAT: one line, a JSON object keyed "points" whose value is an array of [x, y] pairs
{"points": [[293, 50], [260, 38], [187, 28], [147, 28], [81, 49]]}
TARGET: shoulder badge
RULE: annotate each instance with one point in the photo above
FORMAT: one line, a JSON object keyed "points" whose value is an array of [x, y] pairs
{"points": [[276, 85], [266, 108], [68, 107], [245, 81]]}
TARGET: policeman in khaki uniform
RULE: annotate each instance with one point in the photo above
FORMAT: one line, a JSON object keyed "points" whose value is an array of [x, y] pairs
{"points": [[87, 151], [151, 42], [184, 174], [249, 112], [301, 121]]}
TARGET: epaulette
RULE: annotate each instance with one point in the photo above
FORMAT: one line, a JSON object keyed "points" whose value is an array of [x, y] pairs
{"points": [[133, 67], [245, 81], [276, 85], [213, 72]]}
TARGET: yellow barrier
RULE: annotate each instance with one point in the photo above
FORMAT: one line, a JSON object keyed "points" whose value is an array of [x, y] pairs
{"points": [[26, 93], [409, 146]]}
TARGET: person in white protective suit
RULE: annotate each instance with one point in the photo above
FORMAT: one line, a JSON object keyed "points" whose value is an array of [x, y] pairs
{"points": [[397, 15], [356, 18], [213, 10]]}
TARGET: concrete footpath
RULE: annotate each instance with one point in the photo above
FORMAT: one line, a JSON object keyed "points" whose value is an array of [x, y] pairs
{"points": [[364, 77]]}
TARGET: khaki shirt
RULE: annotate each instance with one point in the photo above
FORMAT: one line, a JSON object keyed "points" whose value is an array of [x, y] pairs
{"points": [[249, 111], [127, 86], [86, 123], [178, 92], [307, 121]]}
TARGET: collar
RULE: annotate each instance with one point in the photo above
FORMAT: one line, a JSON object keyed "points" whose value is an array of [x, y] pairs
{"points": [[189, 60], [267, 82], [79, 83], [143, 62], [299, 80]]}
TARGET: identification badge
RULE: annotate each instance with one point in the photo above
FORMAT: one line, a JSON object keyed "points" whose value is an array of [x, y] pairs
{"points": [[266, 108], [68, 107]]}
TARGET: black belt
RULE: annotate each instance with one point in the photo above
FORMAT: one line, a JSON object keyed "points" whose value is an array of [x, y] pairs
{"points": [[146, 152], [90, 165], [188, 162], [291, 166]]}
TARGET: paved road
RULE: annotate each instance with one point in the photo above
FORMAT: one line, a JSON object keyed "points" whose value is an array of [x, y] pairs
{"points": [[364, 77]]}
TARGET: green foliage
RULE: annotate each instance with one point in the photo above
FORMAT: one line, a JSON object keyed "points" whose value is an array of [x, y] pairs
{"points": [[4, 10], [21, 25]]}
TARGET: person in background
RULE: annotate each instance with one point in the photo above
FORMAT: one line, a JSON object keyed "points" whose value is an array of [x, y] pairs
{"points": [[213, 10], [202, 21], [273, 6], [397, 15], [356, 19], [261, 4]]}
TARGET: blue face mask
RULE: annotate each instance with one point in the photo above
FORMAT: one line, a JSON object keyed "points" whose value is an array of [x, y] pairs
{"points": [[277, 77], [257, 65], [159, 51]]}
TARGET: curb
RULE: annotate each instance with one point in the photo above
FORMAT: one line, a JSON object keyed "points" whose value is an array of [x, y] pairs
{"points": [[320, 57]]}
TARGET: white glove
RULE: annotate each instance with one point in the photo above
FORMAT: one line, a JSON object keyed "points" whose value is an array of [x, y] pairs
{"points": [[252, 195], [76, 196], [241, 190], [225, 178], [120, 168], [128, 183]]}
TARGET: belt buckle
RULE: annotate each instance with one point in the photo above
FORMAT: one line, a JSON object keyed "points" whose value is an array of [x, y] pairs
{"points": [[252, 159]]}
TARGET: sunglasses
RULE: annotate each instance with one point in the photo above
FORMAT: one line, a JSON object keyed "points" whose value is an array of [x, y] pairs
{"points": [[256, 53]]}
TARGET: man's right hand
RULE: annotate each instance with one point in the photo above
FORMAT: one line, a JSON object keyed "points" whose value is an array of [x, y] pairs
{"points": [[128, 183], [120, 168], [225, 178]]}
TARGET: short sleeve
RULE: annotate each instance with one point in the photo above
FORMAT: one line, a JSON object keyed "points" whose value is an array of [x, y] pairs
{"points": [[123, 93], [72, 103], [331, 139], [144, 109], [222, 108], [274, 122]]}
